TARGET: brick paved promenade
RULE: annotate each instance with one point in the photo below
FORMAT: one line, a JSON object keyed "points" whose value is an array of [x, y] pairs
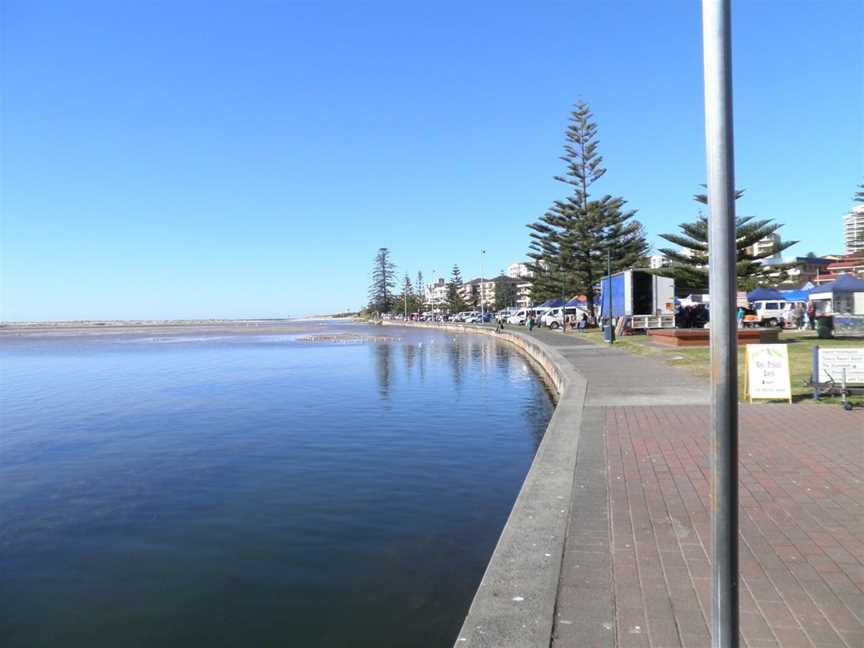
{"points": [[636, 568]]}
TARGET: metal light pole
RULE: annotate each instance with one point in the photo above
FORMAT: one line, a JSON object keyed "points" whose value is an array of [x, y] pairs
{"points": [[611, 329], [717, 45]]}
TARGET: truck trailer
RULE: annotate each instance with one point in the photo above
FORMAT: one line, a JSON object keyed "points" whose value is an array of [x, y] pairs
{"points": [[646, 299]]}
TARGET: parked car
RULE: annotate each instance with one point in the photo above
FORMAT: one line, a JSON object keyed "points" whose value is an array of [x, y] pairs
{"points": [[472, 317]]}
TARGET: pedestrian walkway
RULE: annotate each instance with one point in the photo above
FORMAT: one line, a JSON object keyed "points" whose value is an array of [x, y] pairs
{"points": [[636, 566], [616, 377]]}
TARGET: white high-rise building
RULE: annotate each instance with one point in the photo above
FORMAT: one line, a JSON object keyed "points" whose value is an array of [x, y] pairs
{"points": [[435, 294], [853, 230], [767, 245], [656, 261], [518, 271]]}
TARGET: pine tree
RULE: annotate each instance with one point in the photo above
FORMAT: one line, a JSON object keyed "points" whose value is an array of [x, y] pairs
{"points": [[505, 292], [570, 242], [383, 281], [406, 302], [689, 266], [419, 290], [455, 303], [474, 299]]}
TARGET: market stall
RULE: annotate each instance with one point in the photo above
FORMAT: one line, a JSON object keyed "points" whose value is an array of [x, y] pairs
{"points": [[843, 296]]}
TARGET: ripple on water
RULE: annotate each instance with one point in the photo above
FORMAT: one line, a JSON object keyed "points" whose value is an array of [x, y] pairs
{"points": [[244, 489]]}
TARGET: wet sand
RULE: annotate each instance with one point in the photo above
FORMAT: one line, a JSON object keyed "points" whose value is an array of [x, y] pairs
{"points": [[163, 327]]}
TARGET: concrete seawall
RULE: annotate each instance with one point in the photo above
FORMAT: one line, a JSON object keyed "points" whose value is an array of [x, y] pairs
{"points": [[515, 602]]}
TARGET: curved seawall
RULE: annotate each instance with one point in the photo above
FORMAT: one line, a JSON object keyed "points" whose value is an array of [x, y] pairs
{"points": [[515, 602]]}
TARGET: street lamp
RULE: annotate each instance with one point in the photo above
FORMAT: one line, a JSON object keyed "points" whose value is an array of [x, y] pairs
{"points": [[610, 329], [719, 149]]}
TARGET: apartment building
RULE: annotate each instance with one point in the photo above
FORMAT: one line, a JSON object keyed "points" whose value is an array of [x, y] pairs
{"points": [[435, 294], [853, 230], [486, 290]]}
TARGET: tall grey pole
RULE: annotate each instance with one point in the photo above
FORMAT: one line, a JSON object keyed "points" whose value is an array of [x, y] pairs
{"points": [[717, 45], [609, 275]]}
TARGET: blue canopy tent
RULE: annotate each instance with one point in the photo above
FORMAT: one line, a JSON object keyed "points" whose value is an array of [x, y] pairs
{"points": [[795, 295], [577, 302], [843, 283], [763, 293], [551, 303]]}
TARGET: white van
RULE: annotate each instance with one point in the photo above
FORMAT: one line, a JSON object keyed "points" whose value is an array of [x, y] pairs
{"points": [[772, 312], [554, 318], [539, 312], [518, 317]]}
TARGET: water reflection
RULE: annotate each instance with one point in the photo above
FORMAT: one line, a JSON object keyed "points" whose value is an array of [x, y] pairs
{"points": [[246, 492], [455, 356], [409, 353], [382, 368]]}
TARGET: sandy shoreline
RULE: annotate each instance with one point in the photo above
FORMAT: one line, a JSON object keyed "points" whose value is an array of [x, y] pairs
{"points": [[165, 327]]}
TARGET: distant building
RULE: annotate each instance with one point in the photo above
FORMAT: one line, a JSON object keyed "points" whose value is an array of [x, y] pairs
{"points": [[853, 230], [523, 294], [435, 294], [518, 270], [766, 245], [847, 264], [467, 290], [658, 261], [803, 269], [486, 289]]}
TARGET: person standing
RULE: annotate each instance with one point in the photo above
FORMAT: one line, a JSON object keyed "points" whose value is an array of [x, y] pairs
{"points": [[583, 323], [530, 323], [811, 315]]}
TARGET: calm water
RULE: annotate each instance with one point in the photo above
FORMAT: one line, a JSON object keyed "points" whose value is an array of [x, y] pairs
{"points": [[255, 490]]}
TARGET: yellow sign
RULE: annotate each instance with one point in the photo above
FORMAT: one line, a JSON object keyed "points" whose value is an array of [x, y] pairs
{"points": [[766, 372]]}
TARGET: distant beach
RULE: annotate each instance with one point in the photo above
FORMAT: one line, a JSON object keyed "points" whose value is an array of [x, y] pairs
{"points": [[163, 327]]}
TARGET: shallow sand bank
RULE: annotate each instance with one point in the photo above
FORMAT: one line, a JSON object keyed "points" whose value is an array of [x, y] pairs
{"points": [[162, 327]]}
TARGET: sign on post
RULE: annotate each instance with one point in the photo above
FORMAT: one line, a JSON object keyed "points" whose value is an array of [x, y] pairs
{"points": [[766, 372], [833, 360]]}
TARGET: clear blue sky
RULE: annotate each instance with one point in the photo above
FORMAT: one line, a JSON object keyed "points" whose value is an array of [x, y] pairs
{"points": [[231, 159]]}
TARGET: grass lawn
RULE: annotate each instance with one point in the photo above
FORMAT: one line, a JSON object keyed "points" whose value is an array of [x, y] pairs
{"points": [[800, 349]]}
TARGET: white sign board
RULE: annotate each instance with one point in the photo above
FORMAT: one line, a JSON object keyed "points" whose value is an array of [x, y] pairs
{"points": [[767, 372], [832, 362]]}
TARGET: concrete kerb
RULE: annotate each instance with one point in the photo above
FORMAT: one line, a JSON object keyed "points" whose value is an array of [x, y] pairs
{"points": [[515, 602]]}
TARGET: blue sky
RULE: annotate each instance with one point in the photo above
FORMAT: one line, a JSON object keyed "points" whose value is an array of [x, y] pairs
{"points": [[238, 159]]}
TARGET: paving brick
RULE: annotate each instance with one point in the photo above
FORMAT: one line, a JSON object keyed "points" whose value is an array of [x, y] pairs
{"points": [[792, 638], [801, 519]]}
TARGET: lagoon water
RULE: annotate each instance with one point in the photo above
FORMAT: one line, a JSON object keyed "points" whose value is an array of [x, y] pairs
{"points": [[255, 490]]}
